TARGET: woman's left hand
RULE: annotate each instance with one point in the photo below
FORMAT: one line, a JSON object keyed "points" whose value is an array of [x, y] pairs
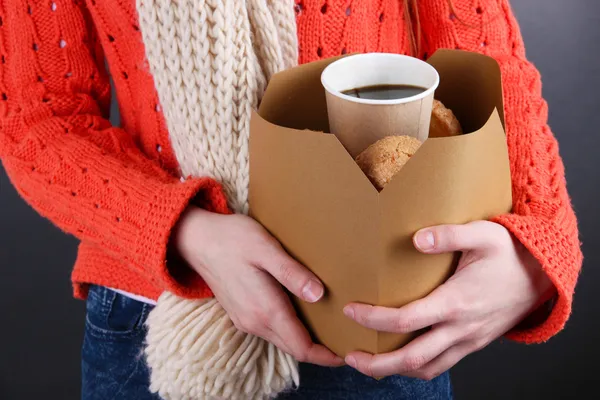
{"points": [[496, 285]]}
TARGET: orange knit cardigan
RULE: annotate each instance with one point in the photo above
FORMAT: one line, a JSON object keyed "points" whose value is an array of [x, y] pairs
{"points": [[117, 189]]}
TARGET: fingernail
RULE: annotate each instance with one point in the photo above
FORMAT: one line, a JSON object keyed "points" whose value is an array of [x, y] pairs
{"points": [[312, 291], [351, 361], [425, 240], [349, 312]]}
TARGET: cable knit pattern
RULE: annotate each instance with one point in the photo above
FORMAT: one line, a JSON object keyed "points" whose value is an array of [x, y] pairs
{"points": [[118, 189], [211, 61], [210, 75]]}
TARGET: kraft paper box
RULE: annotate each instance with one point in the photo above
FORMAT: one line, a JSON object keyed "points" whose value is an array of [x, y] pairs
{"points": [[309, 193]]}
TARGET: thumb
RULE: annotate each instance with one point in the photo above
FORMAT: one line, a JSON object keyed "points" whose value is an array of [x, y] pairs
{"points": [[295, 277], [450, 238]]}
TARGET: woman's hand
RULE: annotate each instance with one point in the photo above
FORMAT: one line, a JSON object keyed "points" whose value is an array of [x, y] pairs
{"points": [[242, 265], [497, 284]]}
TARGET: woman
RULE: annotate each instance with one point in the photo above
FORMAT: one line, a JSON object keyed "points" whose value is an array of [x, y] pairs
{"points": [[187, 75]]}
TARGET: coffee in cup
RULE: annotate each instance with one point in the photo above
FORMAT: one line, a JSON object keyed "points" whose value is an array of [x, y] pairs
{"points": [[373, 95]]}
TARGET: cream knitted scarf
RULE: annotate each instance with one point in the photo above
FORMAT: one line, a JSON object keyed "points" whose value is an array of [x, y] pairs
{"points": [[211, 60]]}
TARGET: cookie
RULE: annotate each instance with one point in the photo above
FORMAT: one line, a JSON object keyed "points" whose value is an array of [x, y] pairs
{"points": [[384, 158], [443, 121]]}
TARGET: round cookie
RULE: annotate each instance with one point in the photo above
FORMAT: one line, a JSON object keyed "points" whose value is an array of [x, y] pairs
{"points": [[384, 158], [443, 121]]}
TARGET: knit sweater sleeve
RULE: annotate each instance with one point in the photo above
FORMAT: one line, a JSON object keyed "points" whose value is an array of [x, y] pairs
{"points": [[542, 218], [64, 157]]}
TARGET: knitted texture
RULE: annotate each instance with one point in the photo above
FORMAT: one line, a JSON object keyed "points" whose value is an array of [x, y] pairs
{"points": [[196, 352], [61, 153], [542, 217], [118, 189], [210, 74]]}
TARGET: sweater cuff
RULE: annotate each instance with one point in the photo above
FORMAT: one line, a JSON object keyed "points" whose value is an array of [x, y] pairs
{"points": [[559, 254], [165, 208]]}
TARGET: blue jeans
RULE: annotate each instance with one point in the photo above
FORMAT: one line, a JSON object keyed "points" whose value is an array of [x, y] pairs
{"points": [[113, 367]]}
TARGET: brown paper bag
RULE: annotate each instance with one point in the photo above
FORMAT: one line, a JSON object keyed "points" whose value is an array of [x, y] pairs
{"points": [[309, 193]]}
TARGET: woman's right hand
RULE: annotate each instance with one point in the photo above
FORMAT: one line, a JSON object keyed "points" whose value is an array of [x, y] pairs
{"points": [[242, 264]]}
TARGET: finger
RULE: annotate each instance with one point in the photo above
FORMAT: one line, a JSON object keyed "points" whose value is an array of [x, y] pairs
{"points": [[289, 330], [412, 357], [273, 338], [442, 363], [314, 354], [294, 276], [431, 310], [301, 347], [450, 238], [321, 355]]}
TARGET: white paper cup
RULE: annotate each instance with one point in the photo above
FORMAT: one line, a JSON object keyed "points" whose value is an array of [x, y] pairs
{"points": [[359, 122]]}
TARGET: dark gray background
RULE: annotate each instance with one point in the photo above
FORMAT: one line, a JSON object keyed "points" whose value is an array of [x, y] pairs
{"points": [[41, 325]]}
